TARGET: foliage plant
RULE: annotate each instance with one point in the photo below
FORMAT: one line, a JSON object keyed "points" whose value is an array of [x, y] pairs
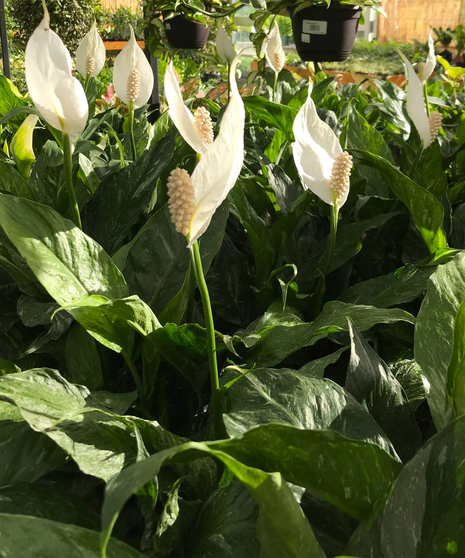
{"points": [[337, 320]]}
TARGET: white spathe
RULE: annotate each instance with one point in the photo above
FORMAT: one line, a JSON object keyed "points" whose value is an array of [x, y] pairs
{"points": [[58, 96], [219, 168], [91, 47], [430, 63], [416, 108], [181, 116], [274, 49], [224, 46], [130, 58], [315, 150]]}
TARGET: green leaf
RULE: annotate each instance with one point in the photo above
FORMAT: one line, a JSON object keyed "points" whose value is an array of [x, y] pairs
{"points": [[286, 396], [300, 456], [155, 262], [123, 196], [374, 386], [276, 115], [34, 537], [456, 370], [316, 368], [279, 338], [226, 525], [429, 171], [10, 97], [7, 367], [26, 455], [21, 146], [99, 441], [410, 377], [82, 359], [426, 211], [11, 181], [48, 502], [365, 137], [423, 515], [434, 334], [68, 263]]}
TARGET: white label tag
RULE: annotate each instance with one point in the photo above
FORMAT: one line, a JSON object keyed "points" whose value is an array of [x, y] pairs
{"points": [[305, 38], [168, 26], [314, 27]]}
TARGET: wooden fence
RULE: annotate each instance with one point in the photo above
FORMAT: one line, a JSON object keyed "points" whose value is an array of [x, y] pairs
{"points": [[112, 5], [412, 19]]}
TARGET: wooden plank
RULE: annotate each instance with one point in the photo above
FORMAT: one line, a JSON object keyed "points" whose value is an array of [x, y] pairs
{"points": [[119, 45]]}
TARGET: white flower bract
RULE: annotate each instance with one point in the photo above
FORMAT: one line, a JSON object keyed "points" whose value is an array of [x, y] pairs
{"points": [[58, 96], [224, 46], [315, 150], [90, 54], [130, 58], [274, 49]]}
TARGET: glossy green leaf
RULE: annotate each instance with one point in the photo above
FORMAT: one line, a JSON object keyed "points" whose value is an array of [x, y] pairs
{"points": [[286, 396], [426, 211], [34, 537], [68, 263], [456, 370], [429, 171], [280, 338], [423, 515], [434, 334], [11, 181], [410, 377], [226, 525], [82, 359], [10, 97], [288, 530], [122, 197], [374, 386], [274, 114], [365, 137]]}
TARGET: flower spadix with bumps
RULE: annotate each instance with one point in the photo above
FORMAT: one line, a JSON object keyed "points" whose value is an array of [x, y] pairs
{"points": [[90, 54], [194, 200], [58, 96], [427, 126], [323, 166], [132, 74]]}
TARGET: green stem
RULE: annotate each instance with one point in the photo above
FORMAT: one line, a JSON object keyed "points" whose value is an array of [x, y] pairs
{"points": [[131, 131], [425, 95], [274, 86], [211, 342], [86, 83], [321, 286], [133, 369], [68, 154]]}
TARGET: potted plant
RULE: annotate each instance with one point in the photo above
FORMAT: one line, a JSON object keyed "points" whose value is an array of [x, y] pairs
{"points": [[324, 30], [184, 23]]}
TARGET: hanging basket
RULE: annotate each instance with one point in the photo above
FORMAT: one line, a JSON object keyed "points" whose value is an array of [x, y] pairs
{"points": [[184, 33], [325, 34]]}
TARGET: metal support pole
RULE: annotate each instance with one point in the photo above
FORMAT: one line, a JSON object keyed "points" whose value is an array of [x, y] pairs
{"points": [[4, 41]]}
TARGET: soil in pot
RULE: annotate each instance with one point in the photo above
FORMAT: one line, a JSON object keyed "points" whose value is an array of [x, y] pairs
{"points": [[183, 33], [325, 34]]}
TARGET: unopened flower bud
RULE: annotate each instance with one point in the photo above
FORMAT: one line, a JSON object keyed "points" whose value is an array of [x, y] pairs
{"points": [[435, 121], [340, 175], [181, 199], [133, 85], [203, 125]]}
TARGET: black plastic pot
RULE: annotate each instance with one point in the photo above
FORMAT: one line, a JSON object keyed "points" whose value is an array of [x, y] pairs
{"points": [[183, 33], [325, 34]]}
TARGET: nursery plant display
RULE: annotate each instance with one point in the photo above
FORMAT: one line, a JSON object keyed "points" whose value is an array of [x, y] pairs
{"points": [[237, 331]]}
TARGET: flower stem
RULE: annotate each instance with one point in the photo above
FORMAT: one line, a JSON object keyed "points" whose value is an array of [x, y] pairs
{"points": [[425, 95], [274, 86], [133, 369], [131, 131], [86, 83], [74, 207], [211, 342], [321, 286]]}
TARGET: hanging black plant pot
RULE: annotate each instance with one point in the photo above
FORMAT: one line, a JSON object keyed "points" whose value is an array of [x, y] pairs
{"points": [[325, 34], [184, 33]]}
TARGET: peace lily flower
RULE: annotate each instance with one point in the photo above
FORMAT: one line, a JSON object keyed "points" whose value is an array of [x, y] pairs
{"points": [[194, 200], [322, 164], [224, 46], [21, 146], [425, 69], [274, 49], [427, 126], [58, 96], [196, 130], [132, 74], [90, 54]]}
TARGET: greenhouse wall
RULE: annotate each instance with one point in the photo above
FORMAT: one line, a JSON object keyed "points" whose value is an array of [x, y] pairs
{"points": [[412, 19]]}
